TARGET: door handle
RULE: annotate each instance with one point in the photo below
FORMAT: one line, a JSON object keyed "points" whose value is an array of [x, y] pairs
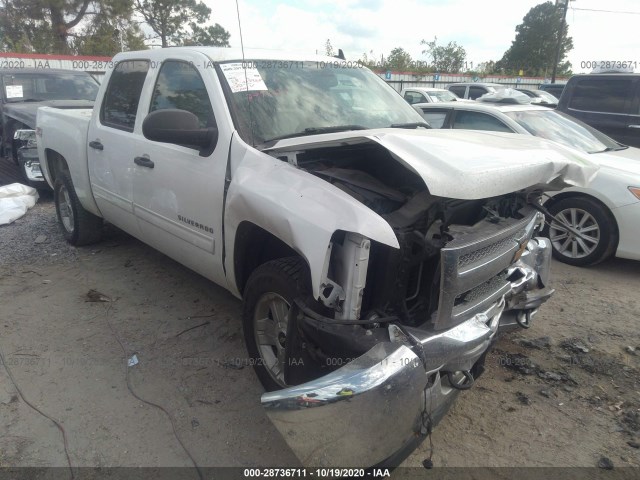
{"points": [[144, 162], [96, 145], [634, 126]]}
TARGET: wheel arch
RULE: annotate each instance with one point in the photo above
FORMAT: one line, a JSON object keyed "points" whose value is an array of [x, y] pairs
{"points": [[55, 163], [255, 246]]}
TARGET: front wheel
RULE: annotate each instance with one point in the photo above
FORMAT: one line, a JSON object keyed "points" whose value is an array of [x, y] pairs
{"points": [[79, 226], [594, 235], [268, 296]]}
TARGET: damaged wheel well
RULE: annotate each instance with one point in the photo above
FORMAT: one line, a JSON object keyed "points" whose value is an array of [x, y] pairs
{"points": [[254, 246]]}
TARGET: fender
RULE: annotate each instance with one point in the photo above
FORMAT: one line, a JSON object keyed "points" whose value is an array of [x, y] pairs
{"points": [[300, 209]]}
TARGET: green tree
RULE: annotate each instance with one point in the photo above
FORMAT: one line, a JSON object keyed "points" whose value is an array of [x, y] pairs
{"points": [[211, 36], [177, 22], [399, 59], [533, 49], [108, 36], [50, 26], [449, 58]]}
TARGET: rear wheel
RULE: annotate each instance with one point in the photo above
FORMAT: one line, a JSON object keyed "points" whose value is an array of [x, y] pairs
{"points": [[79, 226], [268, 296], [594, 235]]}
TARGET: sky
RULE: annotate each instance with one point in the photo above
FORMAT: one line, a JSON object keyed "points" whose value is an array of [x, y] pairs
{"points": [[485, 28]]}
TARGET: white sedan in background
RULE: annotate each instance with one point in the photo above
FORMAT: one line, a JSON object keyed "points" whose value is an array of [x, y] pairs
{"points": [[604, 219]]}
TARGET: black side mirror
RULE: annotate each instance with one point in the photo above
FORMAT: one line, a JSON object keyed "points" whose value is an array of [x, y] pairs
{"points": [[181, 128]]}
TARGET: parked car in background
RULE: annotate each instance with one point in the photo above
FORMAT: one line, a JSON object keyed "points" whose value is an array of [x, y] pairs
{"points": [[540, 97], [554, 89], [23, 92], [605, 216], [474, 90], [428, 95], [609, 102]]}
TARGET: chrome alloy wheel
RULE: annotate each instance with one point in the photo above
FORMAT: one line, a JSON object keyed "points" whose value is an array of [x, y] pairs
{"points": [[270, 322], [579, 244]]}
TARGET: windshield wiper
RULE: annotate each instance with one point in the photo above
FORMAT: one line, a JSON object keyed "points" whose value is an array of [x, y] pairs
{"points": [[317, 130], [410, 125]]}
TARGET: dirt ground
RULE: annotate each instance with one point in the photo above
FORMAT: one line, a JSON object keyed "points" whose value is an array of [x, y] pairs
{"points": [[564, 393]]}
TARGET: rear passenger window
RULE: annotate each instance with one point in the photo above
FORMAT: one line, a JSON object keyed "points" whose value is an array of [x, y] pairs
{"points": [[459, 91], [601, 95], [479, 121], [476, 92], [120, 103], [180, 86]]}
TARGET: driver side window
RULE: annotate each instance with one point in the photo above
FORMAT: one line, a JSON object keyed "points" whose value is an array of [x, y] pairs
{"points": [[180, 86]]}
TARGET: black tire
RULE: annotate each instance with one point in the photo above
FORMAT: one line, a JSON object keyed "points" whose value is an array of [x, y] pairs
{"points": [[79, 226], [596, 224], [286, 279]]}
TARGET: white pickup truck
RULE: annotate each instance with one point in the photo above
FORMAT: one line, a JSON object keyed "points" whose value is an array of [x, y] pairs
{"points": [[376, 258]]}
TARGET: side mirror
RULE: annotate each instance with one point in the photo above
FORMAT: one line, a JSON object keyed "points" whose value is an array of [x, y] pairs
{"points": [[181, 128]]}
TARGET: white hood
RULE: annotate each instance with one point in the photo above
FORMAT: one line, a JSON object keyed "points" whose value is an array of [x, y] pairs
{"points": [[627, 160], [467, 164]]}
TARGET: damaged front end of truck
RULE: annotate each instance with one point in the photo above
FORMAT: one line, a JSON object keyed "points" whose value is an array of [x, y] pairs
{"points": [[408, 292], [419, 247]]}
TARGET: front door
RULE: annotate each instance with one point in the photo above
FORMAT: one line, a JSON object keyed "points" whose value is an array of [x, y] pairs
{"points": [[178, 194]]}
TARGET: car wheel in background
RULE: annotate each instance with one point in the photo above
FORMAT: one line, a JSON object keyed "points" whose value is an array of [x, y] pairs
{"points": [[594, 237]]}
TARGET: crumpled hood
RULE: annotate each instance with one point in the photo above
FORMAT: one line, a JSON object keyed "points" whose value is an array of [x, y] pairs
{"points": [[26, 112], [467, 165]]}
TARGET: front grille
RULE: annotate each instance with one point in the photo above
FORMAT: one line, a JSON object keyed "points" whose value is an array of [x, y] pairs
{"points": [[473, 266]]}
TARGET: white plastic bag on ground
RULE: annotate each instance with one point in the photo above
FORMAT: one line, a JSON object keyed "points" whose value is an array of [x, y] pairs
{"points": [[15, 200]]}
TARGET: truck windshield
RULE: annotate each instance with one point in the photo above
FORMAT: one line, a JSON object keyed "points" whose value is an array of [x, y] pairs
{"points": [[38, 87], [561, 128], [281, 99]]}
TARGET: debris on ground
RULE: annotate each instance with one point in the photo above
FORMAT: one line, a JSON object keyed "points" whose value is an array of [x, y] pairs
{"points": [[195, 423], [631, 350], [517, 362], [523, 398], [574, 345], [605, 463], [545, 393], [537, 343], [234, 365], [96, 296], [40, 239], [633, 444]]}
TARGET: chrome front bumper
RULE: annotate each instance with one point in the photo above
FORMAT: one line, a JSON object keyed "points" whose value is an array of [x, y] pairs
{"points": [[388, 399]]}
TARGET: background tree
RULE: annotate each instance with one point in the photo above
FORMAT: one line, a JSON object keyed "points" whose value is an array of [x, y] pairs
{"points": [[107, 36], [448, 58], [399, 59], [176, 22], [211, 36], [50, 26], [533, 49]]}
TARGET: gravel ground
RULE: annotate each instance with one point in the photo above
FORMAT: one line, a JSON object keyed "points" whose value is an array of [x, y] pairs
{"points": [[35, 238]]}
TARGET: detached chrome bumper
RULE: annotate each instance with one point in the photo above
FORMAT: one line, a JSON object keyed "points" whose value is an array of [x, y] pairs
{"points": [[376, 409], [381, 403]]}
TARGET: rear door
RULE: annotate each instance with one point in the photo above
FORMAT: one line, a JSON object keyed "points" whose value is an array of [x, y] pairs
{"points": [[605, 103], [178, 194], [111, 140]]}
